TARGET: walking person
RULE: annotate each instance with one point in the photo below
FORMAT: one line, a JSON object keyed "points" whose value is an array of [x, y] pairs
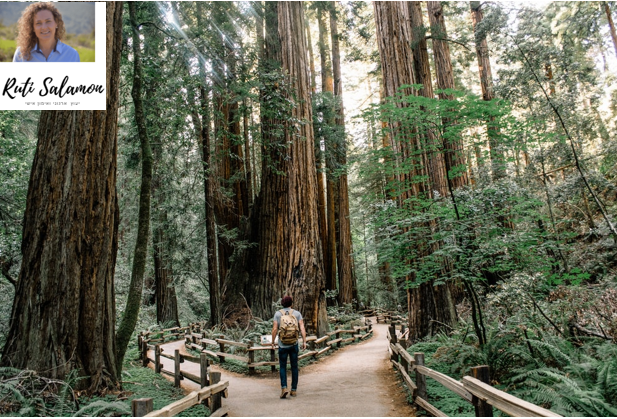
{"points": [[287, 323]]}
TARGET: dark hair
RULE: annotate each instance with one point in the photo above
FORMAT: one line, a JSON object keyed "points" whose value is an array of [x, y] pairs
{"points": [[286, 301]]}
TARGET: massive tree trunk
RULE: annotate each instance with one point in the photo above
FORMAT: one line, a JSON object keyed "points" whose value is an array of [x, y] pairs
{"points": [[453, 148], [288, 257], [486, 82], [164, 290], [232, 199], [454, 155], [395, 46], [166, 301], [348, 289], [64, 313], [445, 312], [133, 303], [327, 89], [394, 42], [422, 70]]}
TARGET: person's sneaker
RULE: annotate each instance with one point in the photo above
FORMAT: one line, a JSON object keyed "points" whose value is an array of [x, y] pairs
{"points": [[284, 393], [293, 393]]}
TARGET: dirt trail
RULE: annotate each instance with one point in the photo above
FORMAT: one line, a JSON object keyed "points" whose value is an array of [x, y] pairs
{"points": [[357, 380]]}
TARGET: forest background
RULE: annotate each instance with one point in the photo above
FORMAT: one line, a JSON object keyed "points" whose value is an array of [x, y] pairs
{"points": [[481, 204]]}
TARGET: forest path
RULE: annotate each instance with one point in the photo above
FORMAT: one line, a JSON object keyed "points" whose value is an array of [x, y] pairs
{"points": [[357, 380]]}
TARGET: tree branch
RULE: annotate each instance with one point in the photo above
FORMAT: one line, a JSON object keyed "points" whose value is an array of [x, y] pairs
{"points": [[544, 315], [5, 272], [447, 40], [574, 153]]}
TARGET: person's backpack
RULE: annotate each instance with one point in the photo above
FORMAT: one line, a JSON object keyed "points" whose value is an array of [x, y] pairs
{"points": [[288, 327]]}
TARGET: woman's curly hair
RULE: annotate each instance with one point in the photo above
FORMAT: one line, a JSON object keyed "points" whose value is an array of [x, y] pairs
{"points": [[26, 40]]}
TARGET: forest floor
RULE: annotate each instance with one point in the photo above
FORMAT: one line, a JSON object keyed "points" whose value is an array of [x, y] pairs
{"points": [[356, 380]]}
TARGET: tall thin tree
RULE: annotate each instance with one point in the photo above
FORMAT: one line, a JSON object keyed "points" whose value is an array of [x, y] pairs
{"points": [[348, 289], [133, 302]]}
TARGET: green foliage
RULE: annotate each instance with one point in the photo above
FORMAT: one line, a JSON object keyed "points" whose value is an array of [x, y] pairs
{"points": [[86, 55], [570, 374]]}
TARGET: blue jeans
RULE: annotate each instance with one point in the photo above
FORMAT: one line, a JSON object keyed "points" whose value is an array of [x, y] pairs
{"points": [[292, 352]]}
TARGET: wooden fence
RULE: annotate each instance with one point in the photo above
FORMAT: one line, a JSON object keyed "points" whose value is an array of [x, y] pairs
{"points": [[210, 396], [220, 349], [216, 348], [476, 390]]}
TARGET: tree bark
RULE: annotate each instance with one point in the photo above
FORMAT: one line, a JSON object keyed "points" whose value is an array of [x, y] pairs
{"points": [[232, 205], [200, 116], [327, 86], [214, 282], [166, 301], [486, 82], [444, 311], [288, 257], [611, 25], [453, 148], [64, 313], [348, 289], [422, 71], [133, 303], [394, 35]]}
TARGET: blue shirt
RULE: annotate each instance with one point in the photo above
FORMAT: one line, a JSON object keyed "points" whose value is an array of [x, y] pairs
{"points": [[62, 53]]}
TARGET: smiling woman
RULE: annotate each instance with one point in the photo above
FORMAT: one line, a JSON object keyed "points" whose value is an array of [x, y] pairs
{"points": [[41, 29]]}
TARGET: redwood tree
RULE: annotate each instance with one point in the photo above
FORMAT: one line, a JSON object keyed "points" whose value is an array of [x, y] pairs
{"points": [[63, 316], [453, 150], [284, 224], [486, 82], [348, 290]]}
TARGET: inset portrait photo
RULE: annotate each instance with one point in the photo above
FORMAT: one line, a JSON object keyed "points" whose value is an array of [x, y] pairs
{"points": [[43, 32], [52, 55]]}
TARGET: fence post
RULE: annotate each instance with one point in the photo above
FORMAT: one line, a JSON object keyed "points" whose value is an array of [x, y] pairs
{"points": [[144, 353], [222, 350], [203, 367], [251, 361], [311, 345], [392, 330], [405, 364], [338, 335], [139, 340], [141, 407], [177, 373], [483, 409], [157, 358], [272, 359], [215, 377], [420, 378]]}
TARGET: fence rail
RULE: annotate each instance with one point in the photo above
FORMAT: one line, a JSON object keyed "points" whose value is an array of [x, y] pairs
{"points": [[209, 396], [476, 390], [216, 348]]}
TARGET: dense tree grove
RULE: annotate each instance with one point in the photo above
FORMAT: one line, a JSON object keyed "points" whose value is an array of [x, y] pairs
{"points": [[454, 161]]}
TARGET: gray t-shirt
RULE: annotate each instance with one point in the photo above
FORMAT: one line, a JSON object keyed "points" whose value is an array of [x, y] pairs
{"points": [[277, 319]]}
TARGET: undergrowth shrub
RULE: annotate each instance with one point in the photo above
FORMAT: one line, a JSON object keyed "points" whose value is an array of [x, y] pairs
{"points": [[535, 348]]}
